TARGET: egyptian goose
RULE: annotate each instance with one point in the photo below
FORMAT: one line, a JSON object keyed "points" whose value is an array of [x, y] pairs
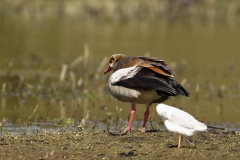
{"points": [[141, 80], [181, 122]]}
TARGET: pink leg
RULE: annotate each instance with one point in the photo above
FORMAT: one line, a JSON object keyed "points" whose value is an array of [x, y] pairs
{"points": [[129, 126], [145, 120]]}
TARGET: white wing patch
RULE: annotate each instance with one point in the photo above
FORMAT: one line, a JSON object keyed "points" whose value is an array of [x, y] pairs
{"points": [[124, 73]]}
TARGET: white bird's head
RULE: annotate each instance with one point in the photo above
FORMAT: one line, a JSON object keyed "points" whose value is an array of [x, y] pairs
{"points": [[162, 110]]}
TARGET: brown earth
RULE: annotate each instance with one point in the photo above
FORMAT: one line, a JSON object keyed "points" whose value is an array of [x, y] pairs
{"points": [[106, 145]]}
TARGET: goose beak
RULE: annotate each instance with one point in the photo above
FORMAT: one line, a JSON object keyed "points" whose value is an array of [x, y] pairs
{"points": [[107, 70]]}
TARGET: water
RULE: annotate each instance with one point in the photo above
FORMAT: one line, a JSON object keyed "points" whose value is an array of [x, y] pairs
{"points": [[32, 55]]}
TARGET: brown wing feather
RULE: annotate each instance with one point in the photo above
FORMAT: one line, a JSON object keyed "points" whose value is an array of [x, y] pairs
{"points": [[154, 69], [158, 63], [158, 70], [154, 64], [127, 62], [135, 61]]}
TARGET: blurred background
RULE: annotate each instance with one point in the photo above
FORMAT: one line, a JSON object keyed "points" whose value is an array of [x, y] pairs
{"points": [[53, 54]]}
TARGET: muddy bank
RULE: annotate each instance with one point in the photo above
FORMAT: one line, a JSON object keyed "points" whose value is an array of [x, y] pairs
{"points": [[135, 145]]}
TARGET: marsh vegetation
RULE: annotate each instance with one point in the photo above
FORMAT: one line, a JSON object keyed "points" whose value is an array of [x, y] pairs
{"points": [[54, 100]]}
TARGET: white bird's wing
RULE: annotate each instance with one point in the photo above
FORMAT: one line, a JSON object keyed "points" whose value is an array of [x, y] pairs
{"points": [[183, 119]]}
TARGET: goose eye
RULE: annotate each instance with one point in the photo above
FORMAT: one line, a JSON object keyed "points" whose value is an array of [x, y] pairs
{"points": [[111, 60]]}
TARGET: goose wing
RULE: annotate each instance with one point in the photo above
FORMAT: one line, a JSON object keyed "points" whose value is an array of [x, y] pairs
{"points": [[144, 78]]}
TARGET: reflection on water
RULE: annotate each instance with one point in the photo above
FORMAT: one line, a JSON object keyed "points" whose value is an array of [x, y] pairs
{"points": [[203, 58]]}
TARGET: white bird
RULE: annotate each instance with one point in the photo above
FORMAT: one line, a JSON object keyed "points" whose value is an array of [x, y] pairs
{"points": [[181, 122]]}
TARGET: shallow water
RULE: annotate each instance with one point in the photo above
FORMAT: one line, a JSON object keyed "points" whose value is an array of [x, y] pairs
{"points": [[32, 55]]}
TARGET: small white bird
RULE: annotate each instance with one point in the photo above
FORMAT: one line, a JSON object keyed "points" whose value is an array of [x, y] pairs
{"points": [[181, 122]]}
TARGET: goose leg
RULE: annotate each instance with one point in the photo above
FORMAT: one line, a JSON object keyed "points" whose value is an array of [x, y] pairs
{"points": [[129, 126], [180, 141], [145, 120]]}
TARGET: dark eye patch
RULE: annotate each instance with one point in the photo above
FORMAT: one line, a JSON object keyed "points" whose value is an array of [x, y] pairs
{"points": [[111, 60]]}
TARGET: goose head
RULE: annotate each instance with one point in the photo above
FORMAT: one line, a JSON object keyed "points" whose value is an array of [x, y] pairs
{"points": [[113, 62]]}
